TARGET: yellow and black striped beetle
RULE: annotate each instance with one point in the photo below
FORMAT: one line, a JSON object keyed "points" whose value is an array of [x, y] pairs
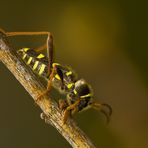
{"points": [[78, 92]]}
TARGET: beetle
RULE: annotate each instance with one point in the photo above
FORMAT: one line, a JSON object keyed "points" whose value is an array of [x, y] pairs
{"points": [[79, 94]]}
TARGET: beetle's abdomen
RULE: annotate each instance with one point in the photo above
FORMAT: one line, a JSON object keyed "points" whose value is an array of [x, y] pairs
{"points": [[37, 62]]}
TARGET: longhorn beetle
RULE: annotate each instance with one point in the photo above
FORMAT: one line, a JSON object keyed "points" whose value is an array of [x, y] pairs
{"points": [[78, 92]]}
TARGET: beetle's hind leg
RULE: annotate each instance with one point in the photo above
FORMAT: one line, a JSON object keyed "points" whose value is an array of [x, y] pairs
{"points": [[40, 48], [51, 69]]}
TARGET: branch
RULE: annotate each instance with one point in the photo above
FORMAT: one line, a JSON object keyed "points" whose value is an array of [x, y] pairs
{"points": [[52, 114]]}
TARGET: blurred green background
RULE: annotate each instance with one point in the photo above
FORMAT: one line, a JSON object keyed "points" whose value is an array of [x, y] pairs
{"points": [[105, 42]]}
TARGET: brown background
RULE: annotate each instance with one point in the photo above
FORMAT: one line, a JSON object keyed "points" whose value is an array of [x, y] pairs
{"points": [[106, 43]]}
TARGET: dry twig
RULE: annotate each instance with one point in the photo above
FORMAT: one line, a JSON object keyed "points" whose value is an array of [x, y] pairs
{"points": [[70, 131]]}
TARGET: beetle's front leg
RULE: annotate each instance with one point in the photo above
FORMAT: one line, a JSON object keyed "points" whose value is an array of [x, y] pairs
{"points": [[69, 109]]}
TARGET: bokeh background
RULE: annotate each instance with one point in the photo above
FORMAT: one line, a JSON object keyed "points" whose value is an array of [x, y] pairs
{"points": [[106, 43]]}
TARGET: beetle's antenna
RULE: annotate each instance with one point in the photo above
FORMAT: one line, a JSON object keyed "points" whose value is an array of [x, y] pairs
{"points": [[100, 107]]}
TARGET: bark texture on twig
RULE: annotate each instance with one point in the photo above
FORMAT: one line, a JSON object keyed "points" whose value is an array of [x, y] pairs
{"points": [[52, 114]]}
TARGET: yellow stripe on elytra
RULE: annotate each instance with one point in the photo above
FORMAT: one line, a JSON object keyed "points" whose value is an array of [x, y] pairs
{"points": [[57, 77], [21, 50], [88, 95], [42, 69], [53, 64], [70, 85], [68, 73], [35, 65], [26, 49], [24, 56], [29, 61], [75, 92], [40, 56]]}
